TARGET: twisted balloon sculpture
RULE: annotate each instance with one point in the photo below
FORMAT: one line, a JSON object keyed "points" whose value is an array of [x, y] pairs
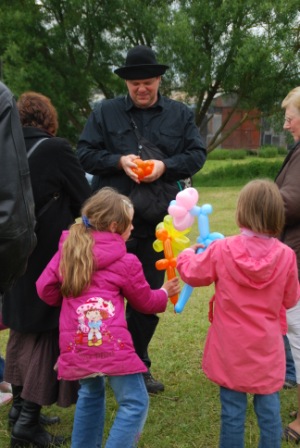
{"points": [[171, 241], [184, 211]]}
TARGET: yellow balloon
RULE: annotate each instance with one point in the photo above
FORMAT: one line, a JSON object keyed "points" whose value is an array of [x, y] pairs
{"points": [[178, 239]]}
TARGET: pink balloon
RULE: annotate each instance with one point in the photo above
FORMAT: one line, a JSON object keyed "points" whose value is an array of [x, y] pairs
{"points": [[176, 211], [187, 198], [183, 222]]}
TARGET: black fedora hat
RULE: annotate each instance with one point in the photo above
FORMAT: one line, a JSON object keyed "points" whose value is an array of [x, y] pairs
{"points": [[141, 64]]}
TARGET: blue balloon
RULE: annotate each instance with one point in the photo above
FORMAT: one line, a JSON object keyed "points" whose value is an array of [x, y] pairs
{"points": [[205, 238]]}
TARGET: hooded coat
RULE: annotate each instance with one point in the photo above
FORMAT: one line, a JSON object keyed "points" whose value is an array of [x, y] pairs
{"points": [[94, 338], [254, 277]]}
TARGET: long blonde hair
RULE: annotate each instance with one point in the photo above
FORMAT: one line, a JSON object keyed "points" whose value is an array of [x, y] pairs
{"points": [[77, 263], [260, 207]]}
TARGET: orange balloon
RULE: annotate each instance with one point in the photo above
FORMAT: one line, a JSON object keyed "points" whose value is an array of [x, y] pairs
{"points": [[144, 167]]}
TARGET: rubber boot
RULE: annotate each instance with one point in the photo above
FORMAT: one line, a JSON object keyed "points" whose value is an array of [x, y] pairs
{"points": [[28, 431], [17, 406]]}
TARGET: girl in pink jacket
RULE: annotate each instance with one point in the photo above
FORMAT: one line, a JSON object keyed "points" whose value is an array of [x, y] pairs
{"points": [[89, 277], [254, 276]]}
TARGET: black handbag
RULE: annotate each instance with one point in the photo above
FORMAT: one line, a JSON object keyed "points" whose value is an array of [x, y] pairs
{"points": [[151, 200]]}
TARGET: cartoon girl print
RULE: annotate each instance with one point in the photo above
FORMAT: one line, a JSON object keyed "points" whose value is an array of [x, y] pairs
{"points": [[90, 318]]}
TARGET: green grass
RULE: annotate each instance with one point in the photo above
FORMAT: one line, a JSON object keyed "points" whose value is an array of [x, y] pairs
{"points": [[186, 415]]}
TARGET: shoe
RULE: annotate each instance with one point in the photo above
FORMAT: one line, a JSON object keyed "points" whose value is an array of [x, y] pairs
{"points": [[16, 408], [5, 398], [153, 386], [289, 384], [289, 435], [48, 421], [5, 387], [28, 431]]}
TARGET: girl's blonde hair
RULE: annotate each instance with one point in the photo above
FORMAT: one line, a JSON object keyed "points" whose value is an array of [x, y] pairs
{"points": [[292, 99], [260, 207], [77, 263]]}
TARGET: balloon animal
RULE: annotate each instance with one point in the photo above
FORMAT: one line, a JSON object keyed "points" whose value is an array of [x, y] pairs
{"points": [[171, 241], [184, 211]]}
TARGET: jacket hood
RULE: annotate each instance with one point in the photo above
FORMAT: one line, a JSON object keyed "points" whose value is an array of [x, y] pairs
{"points": [[108, 248], [253, 261]]}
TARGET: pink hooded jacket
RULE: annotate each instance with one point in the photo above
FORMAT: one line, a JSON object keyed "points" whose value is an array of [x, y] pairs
{"points": [[254, 277], [94, 338]]}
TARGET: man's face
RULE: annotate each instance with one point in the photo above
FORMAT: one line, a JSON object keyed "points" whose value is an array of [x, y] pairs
{"points": [[143, 92]]}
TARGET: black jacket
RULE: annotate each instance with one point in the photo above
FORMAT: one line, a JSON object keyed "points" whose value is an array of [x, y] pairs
{"points": [[54, 170], [108, 134], [17, 219]]}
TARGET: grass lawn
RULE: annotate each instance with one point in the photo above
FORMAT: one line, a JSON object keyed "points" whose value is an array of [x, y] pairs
{"points": [[186, 415]]}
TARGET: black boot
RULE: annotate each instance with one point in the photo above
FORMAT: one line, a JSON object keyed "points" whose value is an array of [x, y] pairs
{"points": [[17, 406], [27, 429]]}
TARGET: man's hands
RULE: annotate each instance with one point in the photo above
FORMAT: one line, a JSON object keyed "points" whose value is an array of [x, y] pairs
{"points": [[126, 163]]}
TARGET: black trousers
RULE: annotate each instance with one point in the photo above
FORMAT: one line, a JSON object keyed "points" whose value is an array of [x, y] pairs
{"points": [[142, 326]]}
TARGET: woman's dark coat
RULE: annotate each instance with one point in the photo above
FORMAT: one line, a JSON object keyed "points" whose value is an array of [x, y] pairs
{"points": [[54, 169]]}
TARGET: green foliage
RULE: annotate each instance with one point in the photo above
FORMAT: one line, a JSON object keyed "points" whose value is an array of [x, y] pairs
{"points": [[69, 49], [225, 154], [236, 174], [268, 152], [265, 152]]}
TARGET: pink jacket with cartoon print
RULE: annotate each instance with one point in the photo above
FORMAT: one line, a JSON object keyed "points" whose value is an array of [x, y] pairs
{"points": [[254, 277], [93, 332]]}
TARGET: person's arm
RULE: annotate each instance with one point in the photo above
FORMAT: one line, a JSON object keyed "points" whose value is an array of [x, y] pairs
{"points": [[49, 283], [197, 269], [137, 290], [292, 290], [290, 190], [101, 157], [91, 148], [191, 158]]}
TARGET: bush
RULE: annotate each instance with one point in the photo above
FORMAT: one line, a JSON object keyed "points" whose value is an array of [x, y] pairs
{"points": [[218, 154], [225, 154], [268, 152], [238, 154], [237, 174], [265, 152], [282, 151]]}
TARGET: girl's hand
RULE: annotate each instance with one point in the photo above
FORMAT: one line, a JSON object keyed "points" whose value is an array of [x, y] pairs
{"points": [[172, 287], [197, 246]]}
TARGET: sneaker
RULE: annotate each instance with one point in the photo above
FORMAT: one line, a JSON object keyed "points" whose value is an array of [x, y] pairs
{"points": [[153, 386], [5, 398], [289, 384]]}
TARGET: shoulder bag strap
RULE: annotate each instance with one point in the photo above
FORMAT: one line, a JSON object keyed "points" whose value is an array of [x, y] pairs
{"points": [[55, 195], [136, 131], [45, 207], [33, 148]]}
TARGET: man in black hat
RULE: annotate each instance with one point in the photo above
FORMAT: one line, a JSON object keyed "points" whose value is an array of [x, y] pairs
{"points": [[108, 146]]}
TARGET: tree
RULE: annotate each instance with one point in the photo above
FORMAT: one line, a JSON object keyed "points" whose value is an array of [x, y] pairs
{"points": [[68, 49], [246, 49]]}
